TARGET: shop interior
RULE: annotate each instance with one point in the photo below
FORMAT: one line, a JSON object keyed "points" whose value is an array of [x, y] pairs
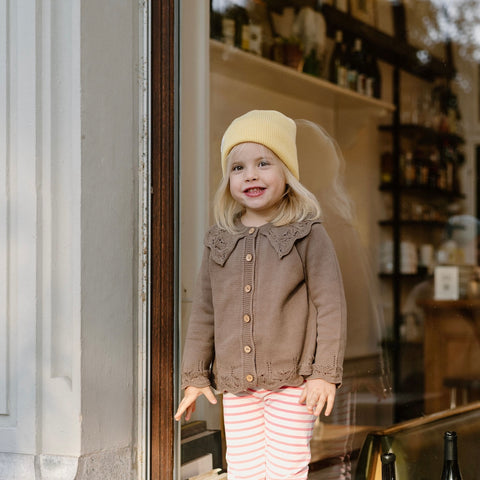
{"points": [[396, 84]]}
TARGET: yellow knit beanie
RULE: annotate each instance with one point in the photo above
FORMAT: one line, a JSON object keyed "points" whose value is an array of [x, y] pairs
{"points": [[270, 128]]}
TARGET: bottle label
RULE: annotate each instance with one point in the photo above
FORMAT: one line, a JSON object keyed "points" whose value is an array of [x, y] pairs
{"points": [[342, 76], [369, 87], [255, 39], [352, 79], [361, 83], [245, 37]]}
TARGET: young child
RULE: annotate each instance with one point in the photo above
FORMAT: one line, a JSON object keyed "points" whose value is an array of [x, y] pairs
{"points": [[268, 322]]}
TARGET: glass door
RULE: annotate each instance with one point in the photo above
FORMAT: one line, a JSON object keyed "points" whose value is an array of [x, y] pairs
{"points": [[406, 154]]}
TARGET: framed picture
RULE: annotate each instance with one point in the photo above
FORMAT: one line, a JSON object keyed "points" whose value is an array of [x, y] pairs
{"points": [[446, 283], [384, 17], [363, 10]]}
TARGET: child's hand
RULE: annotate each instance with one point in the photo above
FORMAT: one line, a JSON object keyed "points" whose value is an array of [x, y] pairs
{"points": [[316, 394], [187, 404]]}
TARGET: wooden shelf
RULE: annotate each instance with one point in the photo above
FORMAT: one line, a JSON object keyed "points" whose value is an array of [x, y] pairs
{"points": [[412, 276], [414, 223], [422, 191], [428, 133], [263, 73]]}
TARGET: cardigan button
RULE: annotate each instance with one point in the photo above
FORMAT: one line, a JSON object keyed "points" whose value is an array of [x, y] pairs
{"points": [[252, 230], [247, 349], [248, 288], [246, 318], [249, 378], [248, 257]]}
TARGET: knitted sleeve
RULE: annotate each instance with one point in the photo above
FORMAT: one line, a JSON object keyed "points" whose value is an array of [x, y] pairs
{"points": [[198, 350], [325, 287]]}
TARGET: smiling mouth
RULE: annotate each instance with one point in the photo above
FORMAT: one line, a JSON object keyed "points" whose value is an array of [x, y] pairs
{"points": [[254, 191]]}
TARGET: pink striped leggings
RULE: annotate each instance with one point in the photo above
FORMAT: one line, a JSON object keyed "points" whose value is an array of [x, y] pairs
{"points": [[268, 434]]}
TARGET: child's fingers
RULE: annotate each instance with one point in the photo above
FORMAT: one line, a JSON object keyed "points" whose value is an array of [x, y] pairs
{"points": [[320, 405], [330, 402], [210, 396], [186, 403], [303, 396], [189, 411]]}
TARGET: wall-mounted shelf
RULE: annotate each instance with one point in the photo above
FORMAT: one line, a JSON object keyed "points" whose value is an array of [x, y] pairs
{"points": [[411, 276], [261, 72], [423, 191], [420, 131], [414, 223]]}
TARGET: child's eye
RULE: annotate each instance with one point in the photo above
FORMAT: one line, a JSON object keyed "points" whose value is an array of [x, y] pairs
{"points": [[236, 168], [263, 163]]}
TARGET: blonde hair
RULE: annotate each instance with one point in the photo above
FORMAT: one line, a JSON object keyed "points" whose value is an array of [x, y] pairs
{"points": [[297, 204]]}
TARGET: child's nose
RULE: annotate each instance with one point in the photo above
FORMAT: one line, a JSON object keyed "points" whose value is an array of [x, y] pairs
{"points": [[250, 174]]}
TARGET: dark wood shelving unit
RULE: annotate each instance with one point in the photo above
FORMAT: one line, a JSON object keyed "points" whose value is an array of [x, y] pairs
{"points": [[396, 51]]}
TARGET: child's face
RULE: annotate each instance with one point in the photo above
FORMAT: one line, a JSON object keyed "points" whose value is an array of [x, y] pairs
{"points": [[257, 181]]}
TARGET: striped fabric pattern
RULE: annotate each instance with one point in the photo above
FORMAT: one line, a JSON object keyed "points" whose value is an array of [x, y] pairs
{"points": [[268, 434]]}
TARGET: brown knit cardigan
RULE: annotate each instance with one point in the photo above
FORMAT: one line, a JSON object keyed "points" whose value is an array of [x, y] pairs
{"points": [[269, 310]]}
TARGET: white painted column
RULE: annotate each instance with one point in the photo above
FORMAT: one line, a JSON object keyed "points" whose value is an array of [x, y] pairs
{"points": [[68, 233], [3, 212], [18, 227]]}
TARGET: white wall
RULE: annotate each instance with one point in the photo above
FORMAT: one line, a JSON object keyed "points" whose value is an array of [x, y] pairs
{"points": [[68, 243]]}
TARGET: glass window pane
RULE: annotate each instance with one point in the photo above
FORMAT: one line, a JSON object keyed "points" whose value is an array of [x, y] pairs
{"points": [[396, 86]]}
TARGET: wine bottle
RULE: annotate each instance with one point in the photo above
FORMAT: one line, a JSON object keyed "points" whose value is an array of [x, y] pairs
{"points": [[374, 81], [337, 67], [361, 62], [451, 471], [240, 16], [408, 170], [388, 466], [354, 68], [370, 82]]}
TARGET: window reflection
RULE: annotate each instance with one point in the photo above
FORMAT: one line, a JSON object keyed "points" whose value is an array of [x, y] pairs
{"points": [[403, 104]]}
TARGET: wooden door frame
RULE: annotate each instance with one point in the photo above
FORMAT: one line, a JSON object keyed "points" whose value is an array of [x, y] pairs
{"points": [[163, 292]]}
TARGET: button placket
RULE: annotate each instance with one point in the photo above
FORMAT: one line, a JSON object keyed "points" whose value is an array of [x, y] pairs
{"points": [[248, 264]]}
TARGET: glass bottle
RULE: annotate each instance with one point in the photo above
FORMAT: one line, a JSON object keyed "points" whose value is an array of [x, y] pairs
{"points": [[388, 466], [337, 68], [373, 83], [362, 72], [355, 67], [408, 170], [386, 164], [451, 471]]}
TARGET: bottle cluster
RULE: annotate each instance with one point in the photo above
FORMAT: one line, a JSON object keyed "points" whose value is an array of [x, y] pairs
{"points": [[301, 46], [425, 167], [236, 27], [354, 67], [436, 108]]}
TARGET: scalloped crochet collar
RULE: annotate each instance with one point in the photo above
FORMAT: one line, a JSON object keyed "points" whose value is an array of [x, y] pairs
{"points": [[282, 239]]}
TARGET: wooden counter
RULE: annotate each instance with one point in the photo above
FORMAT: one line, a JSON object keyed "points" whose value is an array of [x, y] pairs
{"points": [[451, 346]]}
